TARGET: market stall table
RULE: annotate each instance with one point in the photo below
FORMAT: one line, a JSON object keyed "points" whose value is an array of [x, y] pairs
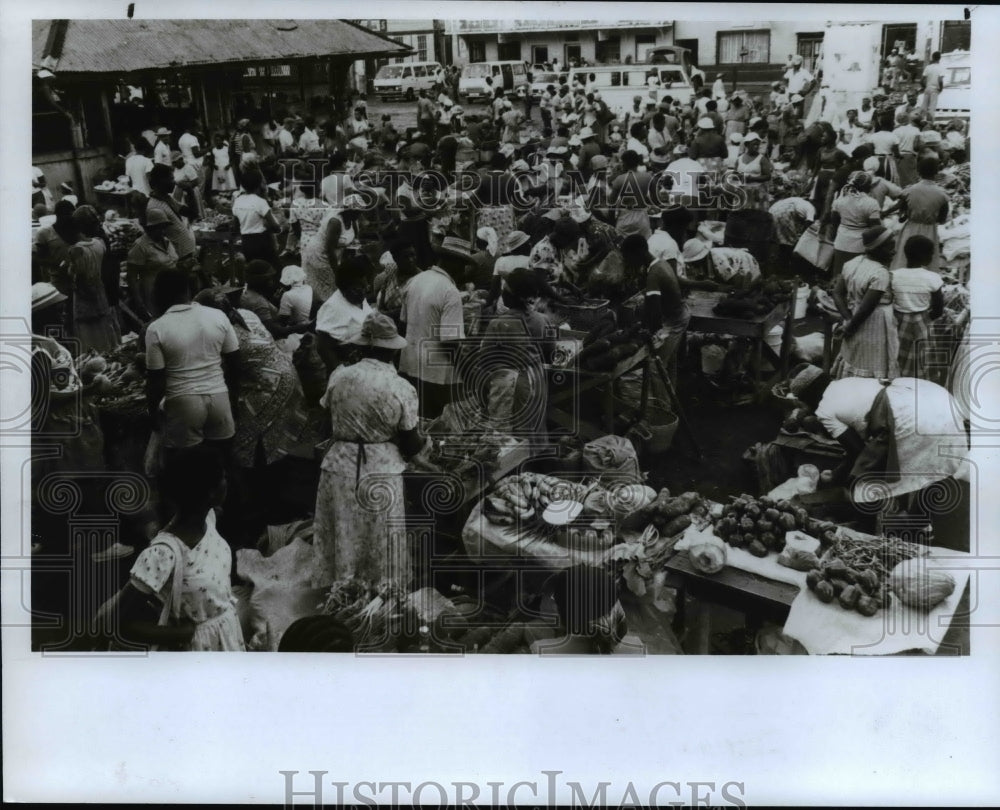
{"points": [[763, 599], [704, 319], [567, 383]]}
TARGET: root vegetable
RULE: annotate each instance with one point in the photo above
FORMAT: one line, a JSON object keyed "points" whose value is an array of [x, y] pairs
{"points": [[849, 597], [757, 549], [866, 606], [825, 591]]}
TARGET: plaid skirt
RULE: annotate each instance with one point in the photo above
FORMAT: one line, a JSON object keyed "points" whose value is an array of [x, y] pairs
{"points": [[914, 341], [872, 351]]}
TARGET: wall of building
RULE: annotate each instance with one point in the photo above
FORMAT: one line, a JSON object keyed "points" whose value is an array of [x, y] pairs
{"points": [[783, 36], [555, 42]]}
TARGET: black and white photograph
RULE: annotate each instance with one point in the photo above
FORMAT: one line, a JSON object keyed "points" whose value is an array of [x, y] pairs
{"points": [[506, 345]]}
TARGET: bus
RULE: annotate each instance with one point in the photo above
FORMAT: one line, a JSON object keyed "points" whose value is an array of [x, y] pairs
{"points": [[620, 84]]}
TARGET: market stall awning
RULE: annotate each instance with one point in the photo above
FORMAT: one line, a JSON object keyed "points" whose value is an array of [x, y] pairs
{"points": [[125, 46]]}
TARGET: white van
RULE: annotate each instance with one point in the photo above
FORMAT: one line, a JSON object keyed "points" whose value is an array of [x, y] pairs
{"points": [[956, 97], [511, 76], [619, 84], [405, 79]]}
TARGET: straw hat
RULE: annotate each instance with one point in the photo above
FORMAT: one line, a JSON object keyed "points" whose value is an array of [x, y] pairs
{"points": [[585, 132], [736, 138], [512, 241], [598, 162], [379, 330], [163, 131], [802, 377], [706, 123], [44, 295], [751, 138], [694, 250]]}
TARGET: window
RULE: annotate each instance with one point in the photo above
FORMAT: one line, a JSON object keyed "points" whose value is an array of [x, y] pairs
{"points": [[421, 47], [643, 42], [743, 47], [477, 51], [518, 69], [609, 51], [809, 47], [407, 72], [509, 51], [616, 78], [539, 54], [956, 36]]}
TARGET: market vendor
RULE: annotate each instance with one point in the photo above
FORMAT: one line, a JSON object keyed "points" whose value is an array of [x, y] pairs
{"points": [[359, 520], [339, 320], [900, 437], [261, 289], [178, 231], [151, 254], [666, 313], [515, 348], [714, 268]]}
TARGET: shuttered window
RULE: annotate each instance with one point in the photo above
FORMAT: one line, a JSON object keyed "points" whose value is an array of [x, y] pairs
{"points": [[730, 44]]}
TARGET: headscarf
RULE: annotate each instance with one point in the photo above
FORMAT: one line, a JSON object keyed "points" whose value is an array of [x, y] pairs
{"points": [[214, 297], [489, 236], [293, 276], [858, 183], [87, 221]]}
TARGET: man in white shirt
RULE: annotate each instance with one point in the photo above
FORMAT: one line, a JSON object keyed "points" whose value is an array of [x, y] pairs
{"points": [[433, 318], [339, 320], [161, 152], [190, 148], [286, 140], [798, 80], [636, 141], [685, 173], [719, 86], [933, 80], [192, 361], [137, 168], [309, 139]]}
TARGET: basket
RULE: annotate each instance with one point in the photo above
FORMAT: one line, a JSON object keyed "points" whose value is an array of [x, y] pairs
{"points": [[583, 317], [655, 432], [778, 392]]}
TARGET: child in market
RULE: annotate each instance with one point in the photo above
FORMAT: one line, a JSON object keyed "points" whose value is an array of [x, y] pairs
{"points": [[295, 308], [917, 299]]}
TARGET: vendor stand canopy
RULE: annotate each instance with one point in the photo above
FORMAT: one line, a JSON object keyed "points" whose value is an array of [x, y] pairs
{"points": [[127, 46]]}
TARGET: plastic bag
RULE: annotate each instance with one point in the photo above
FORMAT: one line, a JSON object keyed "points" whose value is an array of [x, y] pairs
{"points": [[805, 483], [613, 457]]}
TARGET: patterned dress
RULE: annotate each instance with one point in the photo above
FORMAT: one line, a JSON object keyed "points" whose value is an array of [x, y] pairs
{"points": [[206, 597], [873, 350], [360, 516], [94, 324], [272, 409], [926, 205]]}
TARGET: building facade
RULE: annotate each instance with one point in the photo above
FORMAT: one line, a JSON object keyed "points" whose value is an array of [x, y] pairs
{"points": [[539, 41]]}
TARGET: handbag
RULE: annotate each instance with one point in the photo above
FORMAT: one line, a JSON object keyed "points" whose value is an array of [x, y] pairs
{"points": [[815, 248], [104, 619]]}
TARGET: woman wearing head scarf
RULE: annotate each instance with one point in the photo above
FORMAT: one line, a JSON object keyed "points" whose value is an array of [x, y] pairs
{"points": [[851, 214], [754, 170], [95, 323], [359, 528], [304, 217], [922, 444], [881, 188], [863, 294], [924, 206]]}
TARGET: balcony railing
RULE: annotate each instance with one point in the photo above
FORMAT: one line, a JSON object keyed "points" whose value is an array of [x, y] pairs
{"points": [[525, 26]]}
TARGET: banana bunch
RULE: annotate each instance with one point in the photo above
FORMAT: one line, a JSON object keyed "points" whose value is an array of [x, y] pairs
{"points": [[523, 497]]}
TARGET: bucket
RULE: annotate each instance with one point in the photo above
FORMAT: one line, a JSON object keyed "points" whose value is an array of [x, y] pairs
{"points": [[773, 338], [801, 302], [712, 358]]}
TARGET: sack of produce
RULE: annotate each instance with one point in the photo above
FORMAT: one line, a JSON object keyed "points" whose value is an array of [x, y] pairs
{"points": [[613, 458], [707, 552]]}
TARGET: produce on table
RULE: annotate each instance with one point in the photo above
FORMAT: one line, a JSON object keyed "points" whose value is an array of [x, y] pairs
{"points": [[670, 516], [757, 299], [920, 587], [605, 346], [707, 553], [759, 524], [525, 496], [857, 572]]}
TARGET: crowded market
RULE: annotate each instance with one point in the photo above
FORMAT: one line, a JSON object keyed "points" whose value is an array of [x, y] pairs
{"points": [[587, 356]]}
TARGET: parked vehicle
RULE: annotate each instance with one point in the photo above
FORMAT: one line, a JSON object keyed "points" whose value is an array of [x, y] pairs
{"points": [[677, 55], [955, 99], [542, 80], [512, 76], [405, 79], [619, 84]]}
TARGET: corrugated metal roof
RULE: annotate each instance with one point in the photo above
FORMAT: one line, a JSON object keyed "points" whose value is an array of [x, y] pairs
{"points": [[123, 46]]}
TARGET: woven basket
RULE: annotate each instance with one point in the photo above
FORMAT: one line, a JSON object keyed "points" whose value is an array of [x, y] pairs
{"points": [[583, 317]]}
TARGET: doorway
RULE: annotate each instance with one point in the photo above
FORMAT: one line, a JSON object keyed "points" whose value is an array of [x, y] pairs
{"points": [[809, 48], [692, 46], [509, 51], [572, 53], [539, 54], [899, 34]]}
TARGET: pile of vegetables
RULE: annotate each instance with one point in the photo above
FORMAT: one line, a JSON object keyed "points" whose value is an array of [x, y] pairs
{"points": [[757, 299], [114, 377], [374, 614], [606, 345], [523, 497], [860, 574], [759, 524], [801, 419], [670, 515]]}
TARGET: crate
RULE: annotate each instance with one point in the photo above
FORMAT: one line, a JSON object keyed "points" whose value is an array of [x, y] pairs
{"points": [[583, 317]]}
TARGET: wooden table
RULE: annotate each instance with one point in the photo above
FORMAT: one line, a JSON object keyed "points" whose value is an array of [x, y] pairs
{"points": [[703, 319], [116, 201], [576, 381], [762, 599]]}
